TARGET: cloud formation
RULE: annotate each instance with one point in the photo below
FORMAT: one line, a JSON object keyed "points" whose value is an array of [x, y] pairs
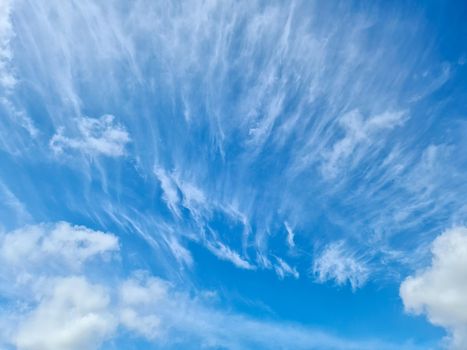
{"points": [[101, 136], [58, 244], [73, 315], [43, 268], [7, 79], [262, 109], [223, 252], [360, 133], [231, 121], [439, 291], [340, 264], [73, 309]]}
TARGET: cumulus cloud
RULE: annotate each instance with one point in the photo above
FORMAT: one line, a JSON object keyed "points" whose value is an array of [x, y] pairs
{"points": [[73, 315], [140, 298], [439, 291], [54, 245], [340, 264], [101, 136], [42, 268]]}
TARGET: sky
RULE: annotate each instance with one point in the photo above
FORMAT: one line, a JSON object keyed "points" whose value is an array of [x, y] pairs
{"points": [[233, 174]]}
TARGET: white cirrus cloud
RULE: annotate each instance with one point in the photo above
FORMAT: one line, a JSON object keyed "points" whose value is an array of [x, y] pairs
{"points": [[340, 264], [439, 291], [180, 253], [177, 192], [283, 269], [290, 235], [223, 252], [93, 136], [360, 135], [7, 79], [12, 207], [169, 190]]}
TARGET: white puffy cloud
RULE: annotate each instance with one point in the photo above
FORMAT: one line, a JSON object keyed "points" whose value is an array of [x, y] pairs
{"points": [[73, 315], [54, 304], [58, 301], [59, 244], [140, 299], [337, 262], [94, 136], [440, 290]]}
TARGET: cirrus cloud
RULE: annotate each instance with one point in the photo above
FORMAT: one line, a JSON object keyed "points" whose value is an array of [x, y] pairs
{"points": [[101, 136]]}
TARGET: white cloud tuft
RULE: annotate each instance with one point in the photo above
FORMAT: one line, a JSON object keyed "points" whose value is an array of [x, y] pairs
{"points": [[290, 235], [100, 136], [340, 264], [440, 290]]}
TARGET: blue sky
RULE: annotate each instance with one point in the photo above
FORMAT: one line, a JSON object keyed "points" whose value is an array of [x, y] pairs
{"points": [[233, 175]]}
